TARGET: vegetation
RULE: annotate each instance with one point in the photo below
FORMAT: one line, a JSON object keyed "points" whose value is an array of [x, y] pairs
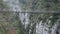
{"points": [[11, 22]]}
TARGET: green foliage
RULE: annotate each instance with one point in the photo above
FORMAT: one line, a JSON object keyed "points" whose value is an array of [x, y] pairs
{"points": [[48, 4], [3, 5], [4, 16], [54, 20]]}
